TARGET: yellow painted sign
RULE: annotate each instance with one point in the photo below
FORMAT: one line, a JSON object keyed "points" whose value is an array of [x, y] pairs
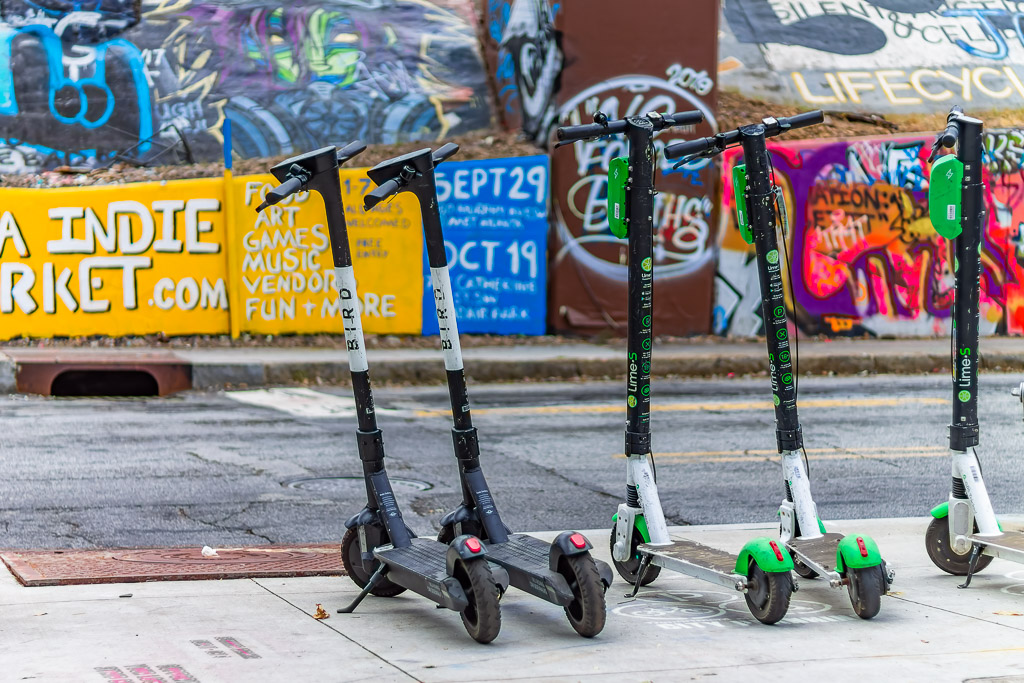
{"points": [[285, 266], [113, 261]]}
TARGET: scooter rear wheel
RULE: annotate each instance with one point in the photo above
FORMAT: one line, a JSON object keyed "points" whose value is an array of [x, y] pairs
{"points": [[628, 569], [866, 586], [768, 593], [936, 542], [586, 613], [447, 533], [802, 569], [353, 562], [482, 618]]}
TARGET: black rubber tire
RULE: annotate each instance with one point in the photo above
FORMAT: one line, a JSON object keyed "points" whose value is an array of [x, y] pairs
{"points": [[866, 586], [768, 593], [628, 569], [803, 570], [936, 542], [350, 558], [482, 618], [447, 533], [587, 612]]}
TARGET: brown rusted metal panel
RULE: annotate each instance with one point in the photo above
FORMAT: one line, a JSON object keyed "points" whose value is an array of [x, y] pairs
{"points": [[558, 63], [38, 368], [70, 567]]}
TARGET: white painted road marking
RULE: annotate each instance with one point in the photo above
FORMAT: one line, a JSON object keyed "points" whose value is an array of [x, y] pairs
{"points": [[300, 402]]}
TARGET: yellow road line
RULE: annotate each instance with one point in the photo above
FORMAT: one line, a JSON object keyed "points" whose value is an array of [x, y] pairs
{"points": [[690, 407]]}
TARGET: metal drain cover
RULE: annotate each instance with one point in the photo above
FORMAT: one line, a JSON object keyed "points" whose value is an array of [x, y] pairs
{"points": [[350, 486]]}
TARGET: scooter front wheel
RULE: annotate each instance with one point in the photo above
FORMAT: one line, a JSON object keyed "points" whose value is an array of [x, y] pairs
{"points": [[768, 594], [936, 542], [482, 618], [353, 562], [628, 569], [586, 612], [866, 586]]}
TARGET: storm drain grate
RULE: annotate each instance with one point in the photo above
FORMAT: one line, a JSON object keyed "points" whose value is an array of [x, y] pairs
{"points": [[70, 567]]}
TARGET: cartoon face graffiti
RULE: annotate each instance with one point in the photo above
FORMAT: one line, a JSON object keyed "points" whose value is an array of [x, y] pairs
{"points": [[531, 42]]}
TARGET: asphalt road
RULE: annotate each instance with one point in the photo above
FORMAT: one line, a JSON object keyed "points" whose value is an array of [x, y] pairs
{"points": [[280, 466]]}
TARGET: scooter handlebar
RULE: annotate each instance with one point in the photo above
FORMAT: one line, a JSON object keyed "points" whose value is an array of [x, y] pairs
{"points": [[809, 118], [684, 118], [691, 148], [380, 193], [290, 186], [350, 150], [589, 130], [444, 152]]}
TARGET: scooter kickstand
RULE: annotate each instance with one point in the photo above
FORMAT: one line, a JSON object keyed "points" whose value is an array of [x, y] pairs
{"points": [[972, 565], [645, 562], [370, 585]]}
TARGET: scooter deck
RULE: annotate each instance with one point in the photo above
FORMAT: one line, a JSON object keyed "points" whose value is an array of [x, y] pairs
{"points": [[1008, 545], [817, 553], [525, 558], [696, 560], [422, 568]]}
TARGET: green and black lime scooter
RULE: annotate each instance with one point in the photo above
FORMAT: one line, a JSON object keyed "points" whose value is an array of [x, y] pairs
{"points": [[640, 541], [852, 560], [964, 534]]}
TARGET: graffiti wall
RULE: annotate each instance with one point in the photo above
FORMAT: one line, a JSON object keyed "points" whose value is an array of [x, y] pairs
{"points": [[876, 55], [864, 255], [557, 63], [155, 79]]}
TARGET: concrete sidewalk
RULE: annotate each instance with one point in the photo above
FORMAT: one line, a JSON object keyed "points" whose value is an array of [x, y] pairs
{"points": [[677, 629], [218, 368]]}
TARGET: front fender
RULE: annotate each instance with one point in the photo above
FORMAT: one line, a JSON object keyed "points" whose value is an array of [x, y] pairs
{"points": [[849, 554], [566, 544], [941, 510], [767, 554], [465, 547]]}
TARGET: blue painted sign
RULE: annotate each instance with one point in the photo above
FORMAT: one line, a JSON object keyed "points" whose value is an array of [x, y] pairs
{"points": [[495, 217]]}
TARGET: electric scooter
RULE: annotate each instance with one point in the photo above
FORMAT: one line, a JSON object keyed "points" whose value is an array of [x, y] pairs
{"points": [[380, 553], [640, 542], [562, 572], [964, 534], [852, 560]]}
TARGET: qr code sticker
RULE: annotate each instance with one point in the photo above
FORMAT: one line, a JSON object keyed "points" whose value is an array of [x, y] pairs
{"points": [[951, 212]]}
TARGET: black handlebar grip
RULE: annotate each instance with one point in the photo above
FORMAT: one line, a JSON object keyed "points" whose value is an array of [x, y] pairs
{"points": [[589, 130], [350, 150], [444, 152], [948, 137], [689, 148], [290, 186], [801, 120], [376, 196], [684, 118]]}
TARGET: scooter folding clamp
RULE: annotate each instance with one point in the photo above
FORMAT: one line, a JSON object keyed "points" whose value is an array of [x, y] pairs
{"points": [[638, 443], [962, 437]]}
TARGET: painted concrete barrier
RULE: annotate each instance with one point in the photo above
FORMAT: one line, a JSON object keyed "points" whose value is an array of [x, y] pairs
{"points": [[193, 257]]}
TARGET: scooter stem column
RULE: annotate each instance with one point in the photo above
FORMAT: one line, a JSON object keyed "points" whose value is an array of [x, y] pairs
{"points": [[761, 210], [964, 431], [370, 441], [639, 214], [464, 436]]}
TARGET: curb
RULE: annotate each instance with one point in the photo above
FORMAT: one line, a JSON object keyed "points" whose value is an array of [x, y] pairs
{"points": [[8, 375], [215, 372], [213, 376]]}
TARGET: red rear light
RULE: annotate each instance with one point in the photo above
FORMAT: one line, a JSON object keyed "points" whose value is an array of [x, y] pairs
{"points": [[473, 545], [863, 548], [578, 541], [778, 553]]}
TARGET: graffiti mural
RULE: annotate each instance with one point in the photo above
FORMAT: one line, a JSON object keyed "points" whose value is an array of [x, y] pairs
{"points": [[877, 55], [552, 65], [864, 256], [137, 76]]}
